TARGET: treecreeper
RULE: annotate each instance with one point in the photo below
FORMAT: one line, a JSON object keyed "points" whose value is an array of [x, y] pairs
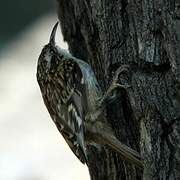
{"points": [[76, 103]]}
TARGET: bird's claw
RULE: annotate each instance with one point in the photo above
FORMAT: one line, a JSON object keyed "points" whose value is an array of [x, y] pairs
{"points": [[122, 69], [119, 86], [115, 85]]}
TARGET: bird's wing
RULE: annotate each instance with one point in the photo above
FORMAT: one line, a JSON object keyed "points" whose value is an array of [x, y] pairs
{"points": [[71, 103]]}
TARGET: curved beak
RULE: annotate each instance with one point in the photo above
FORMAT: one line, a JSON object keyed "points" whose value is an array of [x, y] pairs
{"points": [[53, 34]]}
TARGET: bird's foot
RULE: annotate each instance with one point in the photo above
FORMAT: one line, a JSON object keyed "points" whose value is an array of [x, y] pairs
{"points": [[124, 69], [115, 85]]}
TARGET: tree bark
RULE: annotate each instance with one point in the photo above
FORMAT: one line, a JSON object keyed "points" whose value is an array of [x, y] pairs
{"points": [[146, 36]]}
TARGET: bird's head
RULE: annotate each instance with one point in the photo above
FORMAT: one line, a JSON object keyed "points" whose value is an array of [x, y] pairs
{"points": [[49, 56]]}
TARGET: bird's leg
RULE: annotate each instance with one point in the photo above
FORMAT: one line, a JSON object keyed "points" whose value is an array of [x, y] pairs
{"points": [[101, 103], [114, 85]]}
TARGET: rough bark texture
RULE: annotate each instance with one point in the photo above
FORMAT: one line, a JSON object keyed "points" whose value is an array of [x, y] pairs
{"points": [[145, 35]]}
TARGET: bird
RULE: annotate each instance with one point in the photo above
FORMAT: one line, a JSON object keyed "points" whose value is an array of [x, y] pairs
{"points": [[75, 101]]}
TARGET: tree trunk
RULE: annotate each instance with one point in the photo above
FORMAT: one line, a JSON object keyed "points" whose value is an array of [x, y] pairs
{"points": [[144, 35]]}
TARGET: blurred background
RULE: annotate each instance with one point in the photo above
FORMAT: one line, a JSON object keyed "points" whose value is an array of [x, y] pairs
{"points": [[31, 147]]}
